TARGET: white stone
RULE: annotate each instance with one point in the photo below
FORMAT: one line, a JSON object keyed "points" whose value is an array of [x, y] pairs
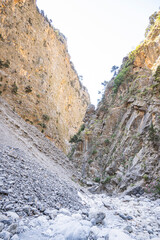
{"points": [[65, 211], [13, 215], [15, 237], [116, 234]]}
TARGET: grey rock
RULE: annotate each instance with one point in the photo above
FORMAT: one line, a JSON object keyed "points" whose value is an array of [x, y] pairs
{"points": [[135, 190], [40, 206], [1, 226], [125, 217], [107, 237], [13, 228], [4, 219], [9, 207], [27, 210], [4, 192], [65, 211], [128, 229], [92, 236], [5, 235], [12, 215], [99, 218], [1, 183], [52, 213], [15, 237], [85, 212]]}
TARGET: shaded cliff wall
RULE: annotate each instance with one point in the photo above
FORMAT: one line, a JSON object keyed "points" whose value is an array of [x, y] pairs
{"points": [[37, 77], [119, 147]]}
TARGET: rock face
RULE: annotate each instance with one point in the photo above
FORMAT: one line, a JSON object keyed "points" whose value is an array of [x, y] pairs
{"points": [[37, 77], [120, 144], [38, 199]]}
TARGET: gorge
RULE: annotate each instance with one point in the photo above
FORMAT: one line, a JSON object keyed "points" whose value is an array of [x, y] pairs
{"points": [[69, 171]]}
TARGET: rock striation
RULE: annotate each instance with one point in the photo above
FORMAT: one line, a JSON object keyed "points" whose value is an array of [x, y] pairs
{"points": [[120, 143], [37, 77]]}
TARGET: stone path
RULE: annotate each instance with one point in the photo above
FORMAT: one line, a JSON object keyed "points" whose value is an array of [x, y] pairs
{"points": [[106, 218]]}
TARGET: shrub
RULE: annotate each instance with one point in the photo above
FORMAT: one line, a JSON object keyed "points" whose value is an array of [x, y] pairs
{"points": [[28, 89], [4, 64], [90, 161], [152, 20], [157, 186], [45, 117], [157, 74], [76, 138], [71, 153], [43, 125], [107, 179], [81, 128], [107, 142], [152, 134], [153, 187], [14, 88], [145, 177], [1, 38], [97, 179], [94, 151], [123, 74]]}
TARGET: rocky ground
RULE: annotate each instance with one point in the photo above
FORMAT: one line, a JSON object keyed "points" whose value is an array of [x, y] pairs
{"points": [[39, 201]]}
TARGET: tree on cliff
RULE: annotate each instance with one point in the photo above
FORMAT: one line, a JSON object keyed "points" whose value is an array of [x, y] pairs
{"points": [[114, 69]]}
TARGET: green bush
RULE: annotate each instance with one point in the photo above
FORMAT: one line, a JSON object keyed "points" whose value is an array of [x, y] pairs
{"points": [[45, 117], [107, 142], [152, 20], [4, 64], [119, 79], [157, 74], [145, 177], [76, 138], [97, 179], [43, 125], [28, 89], [157, 186], [90, 161], [94, 151], [14, 88], [152, 133], [81, 128], [107, 179]]}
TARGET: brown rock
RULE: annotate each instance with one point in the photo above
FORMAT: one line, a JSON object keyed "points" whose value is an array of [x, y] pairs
{"points": [[37, 77]]}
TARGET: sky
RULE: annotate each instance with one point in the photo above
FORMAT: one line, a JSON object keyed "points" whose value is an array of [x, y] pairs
{"points": [[100, 33]]}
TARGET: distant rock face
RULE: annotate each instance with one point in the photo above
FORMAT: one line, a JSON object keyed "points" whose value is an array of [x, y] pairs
{"points": [[37, 77], [120, 144]]}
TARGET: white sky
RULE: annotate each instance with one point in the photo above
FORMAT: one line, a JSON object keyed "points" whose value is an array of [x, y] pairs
{"points": [[99, 33]]}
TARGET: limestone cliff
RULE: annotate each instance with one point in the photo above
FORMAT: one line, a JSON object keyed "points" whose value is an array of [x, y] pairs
{"points": [[120, 143], [37, 77]]}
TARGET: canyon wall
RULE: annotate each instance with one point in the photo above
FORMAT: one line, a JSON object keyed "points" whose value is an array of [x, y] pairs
{"points": [[37, 77], [119, 145]]}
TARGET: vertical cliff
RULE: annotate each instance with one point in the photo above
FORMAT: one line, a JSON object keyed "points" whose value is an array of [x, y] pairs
{"points": [[120, 143], [37, 77]]}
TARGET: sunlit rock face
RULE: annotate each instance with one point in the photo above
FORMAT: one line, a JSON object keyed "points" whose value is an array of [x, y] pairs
{"points": [[37, 77], [120, 144]]}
